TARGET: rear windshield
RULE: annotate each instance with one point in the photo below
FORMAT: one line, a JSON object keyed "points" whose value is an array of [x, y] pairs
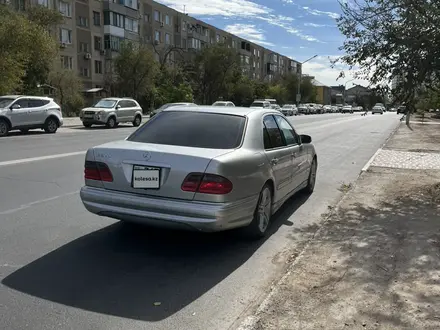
{"points": [[192, 129], [257, 104]]}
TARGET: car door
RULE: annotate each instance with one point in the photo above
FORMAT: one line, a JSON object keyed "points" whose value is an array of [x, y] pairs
{"points": [[132, 107], [122, 111], [279, 157], [37, 111], [19, 113], [296, 150]]}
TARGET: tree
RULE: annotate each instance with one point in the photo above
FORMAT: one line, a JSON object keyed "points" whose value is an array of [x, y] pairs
{"points": [[165, 53], [135, 70], [26, 63], [211, 71], [393, 39], [68, 87], [171, 85]]}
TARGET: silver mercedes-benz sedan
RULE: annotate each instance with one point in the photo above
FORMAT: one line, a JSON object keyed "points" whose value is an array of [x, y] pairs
{"points": [[203, 168]]}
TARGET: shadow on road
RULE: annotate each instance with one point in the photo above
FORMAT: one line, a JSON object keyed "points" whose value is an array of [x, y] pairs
{"points": [[101, 127], [122, 270]]}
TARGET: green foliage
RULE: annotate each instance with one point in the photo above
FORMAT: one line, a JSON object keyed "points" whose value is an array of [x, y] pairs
{"points": [[171, 86], [393, 39], [212, 72], [135, 70], [68, 90], [26, 63], [428, 99], [242, 91]]}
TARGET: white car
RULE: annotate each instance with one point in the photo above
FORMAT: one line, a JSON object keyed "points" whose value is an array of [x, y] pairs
{"points": [[261, 104], [377, 109], [19, 112], [223, 104]]}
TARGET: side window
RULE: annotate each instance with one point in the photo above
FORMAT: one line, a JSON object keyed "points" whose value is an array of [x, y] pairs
{"points": [[23, 103], [289, 134], [131, 104], [35, 103], [273, 133], [123, 104]]}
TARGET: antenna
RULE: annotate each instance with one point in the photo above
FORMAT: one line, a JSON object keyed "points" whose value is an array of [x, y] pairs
{"points": [[184, 9]]}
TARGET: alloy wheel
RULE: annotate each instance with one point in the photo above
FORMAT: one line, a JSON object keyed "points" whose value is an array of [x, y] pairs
{"points": [[264, 209]]}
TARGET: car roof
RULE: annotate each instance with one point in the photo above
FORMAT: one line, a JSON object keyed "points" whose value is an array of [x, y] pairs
{"points": [[26, 96], [239, 111]]}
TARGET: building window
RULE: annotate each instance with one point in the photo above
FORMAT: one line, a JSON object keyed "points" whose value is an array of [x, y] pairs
{"points": [[194, 43], [84, 47], [67, 62], [184, 43], [117, 20], [224, 39], [131, 25], [96, 18], [184, 26], [65, 36], [106, 18], [44, 3], [83, 21], [258, 53], [112, 42], [98, 67], [65, 8], [167, 20], [157, 36], [130, 3], [98, 43], [255, 52], [167, 39], [217, 38], [206, 31], [84, 72], [234, 44], [156, 16]]}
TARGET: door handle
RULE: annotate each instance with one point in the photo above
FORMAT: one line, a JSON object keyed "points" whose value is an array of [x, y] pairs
{"points": [[274, 161]]}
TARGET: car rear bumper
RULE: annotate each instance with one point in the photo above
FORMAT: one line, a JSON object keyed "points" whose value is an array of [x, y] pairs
{"points": [[169, 213]]}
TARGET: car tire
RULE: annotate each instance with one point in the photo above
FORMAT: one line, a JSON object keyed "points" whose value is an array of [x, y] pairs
{"points": [[263, 212], [87, 125], [4, 127], [111, 122], [50, 126], [311, 181], [137, 121]]}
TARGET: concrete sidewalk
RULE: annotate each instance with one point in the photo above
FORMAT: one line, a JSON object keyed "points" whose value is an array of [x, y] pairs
{"points": [[75, 121], [374, 263]]}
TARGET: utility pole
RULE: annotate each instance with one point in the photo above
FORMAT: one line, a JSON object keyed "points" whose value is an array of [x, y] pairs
{"points": [[298, 95]]}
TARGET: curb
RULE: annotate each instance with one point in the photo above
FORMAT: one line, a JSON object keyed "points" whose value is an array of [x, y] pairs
{"points": [[80, 125], [370, 161]]}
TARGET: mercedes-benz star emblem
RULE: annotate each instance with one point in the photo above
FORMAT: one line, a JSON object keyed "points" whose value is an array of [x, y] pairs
{"points": [[147, 155]]}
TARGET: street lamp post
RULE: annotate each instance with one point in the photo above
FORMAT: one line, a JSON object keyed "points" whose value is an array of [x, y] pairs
{"points": [[345, 88], [298, 95]]}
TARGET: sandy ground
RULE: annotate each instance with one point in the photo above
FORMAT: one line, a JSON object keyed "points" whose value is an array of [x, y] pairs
{"points": [[375, 261]]}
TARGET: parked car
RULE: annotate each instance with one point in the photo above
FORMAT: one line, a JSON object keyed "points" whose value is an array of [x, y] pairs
{"points": [[347, 109], [289, 110], [223, 104], [377, 109], [401, 110], [169, 105], [218, 169], [111, 112], [303, 109], [21, 112], [261, 104]]}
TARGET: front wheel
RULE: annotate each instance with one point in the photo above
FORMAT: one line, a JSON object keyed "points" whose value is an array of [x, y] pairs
{"points": [[50, 126], [263, 212], [312, 177], [111, 122], [87, 125]]}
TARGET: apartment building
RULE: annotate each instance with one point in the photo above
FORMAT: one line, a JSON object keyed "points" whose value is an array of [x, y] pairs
{"points": [[93, 30]]}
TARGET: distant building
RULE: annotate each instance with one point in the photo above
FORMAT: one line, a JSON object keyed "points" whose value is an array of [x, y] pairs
{"points": [[356, 93], [323, 92]]}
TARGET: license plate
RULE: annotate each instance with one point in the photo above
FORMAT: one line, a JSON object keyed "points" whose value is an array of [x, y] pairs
{"points": [[145, 177]]}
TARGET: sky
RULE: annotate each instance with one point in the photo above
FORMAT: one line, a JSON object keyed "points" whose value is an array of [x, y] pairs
{"points": [[298, 29]]}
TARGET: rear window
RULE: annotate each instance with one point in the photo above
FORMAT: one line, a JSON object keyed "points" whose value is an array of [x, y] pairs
{"points": [[192, 129]]}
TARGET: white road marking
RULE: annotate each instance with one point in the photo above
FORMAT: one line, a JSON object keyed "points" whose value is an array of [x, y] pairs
{"points": [[25, 206], [35, 159]]}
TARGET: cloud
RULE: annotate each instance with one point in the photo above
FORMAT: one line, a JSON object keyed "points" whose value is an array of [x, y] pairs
{"points": [[316, 12], [238, 9], [320, 68], [249, 32], [317, 25]]}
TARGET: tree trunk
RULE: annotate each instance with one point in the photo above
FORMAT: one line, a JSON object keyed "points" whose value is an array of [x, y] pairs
{"points": [[407, 118]]}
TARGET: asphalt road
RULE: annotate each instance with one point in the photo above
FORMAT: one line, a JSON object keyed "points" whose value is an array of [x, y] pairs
{"points": [[63, 268]]}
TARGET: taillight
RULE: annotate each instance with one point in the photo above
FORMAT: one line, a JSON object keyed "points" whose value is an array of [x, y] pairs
{"points": [[207, 184], [97, 171]]}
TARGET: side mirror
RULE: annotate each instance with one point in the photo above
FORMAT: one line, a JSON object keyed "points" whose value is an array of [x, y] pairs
{"points": [[306, 139], [15, 106], [118, 107]]}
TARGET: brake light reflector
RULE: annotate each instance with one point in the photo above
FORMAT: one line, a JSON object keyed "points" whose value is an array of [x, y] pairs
{"points": [[97, 171], [207, 184]]}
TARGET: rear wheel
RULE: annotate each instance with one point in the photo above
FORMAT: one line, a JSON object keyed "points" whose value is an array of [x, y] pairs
{"points": [[263, 212], [4, 127], [51, 125], [137, 121], [111, 122]]}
